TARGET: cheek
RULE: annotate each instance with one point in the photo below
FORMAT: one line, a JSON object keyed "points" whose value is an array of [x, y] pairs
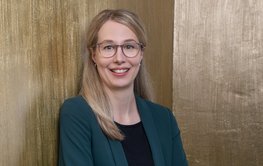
{"points": [[102, 65], [136, 62], [100, 62], [102, 68], [102, 72]]}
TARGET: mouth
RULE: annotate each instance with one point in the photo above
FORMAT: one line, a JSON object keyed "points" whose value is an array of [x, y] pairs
{"points": [[119, 71]]}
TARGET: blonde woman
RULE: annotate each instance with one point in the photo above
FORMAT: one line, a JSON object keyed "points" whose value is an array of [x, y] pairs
{"points": [[113, 122]]}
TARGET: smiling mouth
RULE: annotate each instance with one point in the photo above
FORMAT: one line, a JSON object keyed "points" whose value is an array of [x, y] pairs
{"points": [[119, 71]]}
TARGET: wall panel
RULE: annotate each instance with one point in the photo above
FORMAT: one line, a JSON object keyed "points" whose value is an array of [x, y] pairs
{"points": [[40, 45], [218, 80]]}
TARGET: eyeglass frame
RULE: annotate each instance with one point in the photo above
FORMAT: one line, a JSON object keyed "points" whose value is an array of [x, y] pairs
{"points": [[116, 46]]}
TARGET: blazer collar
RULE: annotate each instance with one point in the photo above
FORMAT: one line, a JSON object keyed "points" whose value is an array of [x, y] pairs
{"points": [[150, 130], [117, 153]]}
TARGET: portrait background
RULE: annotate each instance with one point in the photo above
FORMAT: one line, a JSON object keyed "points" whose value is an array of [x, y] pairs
{"points": [[204, 58]]}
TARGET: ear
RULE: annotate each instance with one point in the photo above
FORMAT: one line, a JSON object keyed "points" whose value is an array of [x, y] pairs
{"points": [[141, 56], [93, 55]]}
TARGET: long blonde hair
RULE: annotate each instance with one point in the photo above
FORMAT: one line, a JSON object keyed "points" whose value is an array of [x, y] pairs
{"points": [[91, 88]]}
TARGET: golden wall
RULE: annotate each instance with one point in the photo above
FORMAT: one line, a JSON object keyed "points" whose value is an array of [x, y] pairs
{"points": [[205, 59], [40, 63], [218, 81]]}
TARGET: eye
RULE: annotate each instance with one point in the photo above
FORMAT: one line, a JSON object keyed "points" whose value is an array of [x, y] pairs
{"points": [[108, 47], [129, 46]]}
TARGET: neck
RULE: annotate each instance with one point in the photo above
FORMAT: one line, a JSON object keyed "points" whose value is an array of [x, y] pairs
{"points": [[123, 105]]}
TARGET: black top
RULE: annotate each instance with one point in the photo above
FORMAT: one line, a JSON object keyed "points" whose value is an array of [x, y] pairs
{"points": [[136, 147]]}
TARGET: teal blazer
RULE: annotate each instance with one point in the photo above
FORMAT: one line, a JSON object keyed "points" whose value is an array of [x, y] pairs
{"points": [[82, 142]]}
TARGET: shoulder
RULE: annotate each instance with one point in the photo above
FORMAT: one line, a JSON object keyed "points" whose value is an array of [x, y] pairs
{"points": [[162, 116], [74, 104], [156, 109], [76, 108]]}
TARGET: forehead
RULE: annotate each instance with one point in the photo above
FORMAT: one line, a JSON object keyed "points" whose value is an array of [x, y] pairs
{"points": [[116, 32]]}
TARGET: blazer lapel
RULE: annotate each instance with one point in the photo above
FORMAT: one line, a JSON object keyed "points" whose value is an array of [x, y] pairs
{"points": [[117, 153], [150, 130]]}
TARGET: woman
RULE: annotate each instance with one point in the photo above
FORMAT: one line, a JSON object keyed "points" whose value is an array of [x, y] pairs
{"points": [[112, 122]]}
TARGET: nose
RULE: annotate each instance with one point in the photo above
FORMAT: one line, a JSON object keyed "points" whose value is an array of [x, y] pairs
{"points": [[119, 56]]}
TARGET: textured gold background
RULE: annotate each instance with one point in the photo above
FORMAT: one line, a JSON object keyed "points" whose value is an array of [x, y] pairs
{"points": [[218, 80], [215, 87], [40, 43]]}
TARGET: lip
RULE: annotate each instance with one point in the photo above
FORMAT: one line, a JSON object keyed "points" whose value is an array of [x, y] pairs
{"points": [[119, 71]]}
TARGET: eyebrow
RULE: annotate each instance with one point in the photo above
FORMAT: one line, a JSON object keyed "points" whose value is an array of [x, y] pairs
{"points": [[111, 41]]}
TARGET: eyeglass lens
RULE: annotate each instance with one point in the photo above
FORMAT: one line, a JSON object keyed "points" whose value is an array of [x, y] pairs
{"points": [[129, 49]]}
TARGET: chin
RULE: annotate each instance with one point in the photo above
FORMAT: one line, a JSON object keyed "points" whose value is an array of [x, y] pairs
{"points": [[122, 86]]}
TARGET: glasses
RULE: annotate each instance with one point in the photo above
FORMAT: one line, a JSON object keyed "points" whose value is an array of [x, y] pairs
{"points": [[129, 49]]}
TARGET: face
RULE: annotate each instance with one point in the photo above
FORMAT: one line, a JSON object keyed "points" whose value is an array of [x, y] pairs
{"points": [[117, 72]]}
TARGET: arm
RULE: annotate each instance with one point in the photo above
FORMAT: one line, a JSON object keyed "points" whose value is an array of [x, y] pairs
{"points": [[75, 136], [179, 157]]}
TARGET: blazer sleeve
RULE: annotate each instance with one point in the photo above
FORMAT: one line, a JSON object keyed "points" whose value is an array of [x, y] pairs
{"points": [[75, 136], [179, 157]]}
